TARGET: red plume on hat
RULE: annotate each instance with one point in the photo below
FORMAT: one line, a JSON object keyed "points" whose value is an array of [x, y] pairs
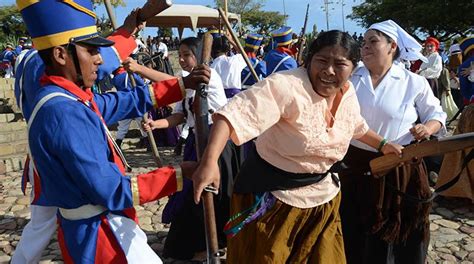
{"points": [[434, 41]]}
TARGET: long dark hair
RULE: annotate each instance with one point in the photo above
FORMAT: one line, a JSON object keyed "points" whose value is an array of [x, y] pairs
{"points": [[333, 38], [192, 43]]}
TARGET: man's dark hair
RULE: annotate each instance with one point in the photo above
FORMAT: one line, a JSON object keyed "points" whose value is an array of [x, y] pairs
{"points": [[47, 55], [335, 38], [220, 45]]}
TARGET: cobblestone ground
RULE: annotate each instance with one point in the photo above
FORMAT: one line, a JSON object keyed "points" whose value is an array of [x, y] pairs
{"points": [[452, 220]]}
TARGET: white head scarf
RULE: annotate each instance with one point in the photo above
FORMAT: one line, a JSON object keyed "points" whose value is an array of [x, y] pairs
{"points": [[409, 48]]}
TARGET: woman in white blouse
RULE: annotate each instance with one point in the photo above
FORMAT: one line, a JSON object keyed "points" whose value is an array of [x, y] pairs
{"points": [[185, 239], [431, 69], [400, 106]]}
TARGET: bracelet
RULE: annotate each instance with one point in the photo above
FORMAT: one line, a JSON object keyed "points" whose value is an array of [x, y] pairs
{"points": [[382, 143]]}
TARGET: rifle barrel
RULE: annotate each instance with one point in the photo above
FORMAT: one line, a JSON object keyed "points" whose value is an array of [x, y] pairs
{"points": [[201, 110]]}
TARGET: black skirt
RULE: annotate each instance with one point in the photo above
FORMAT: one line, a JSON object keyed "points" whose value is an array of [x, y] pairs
{"points": [[187, 235], [357, 214]]}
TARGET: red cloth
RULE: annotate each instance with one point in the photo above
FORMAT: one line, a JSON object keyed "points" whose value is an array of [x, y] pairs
{"points": [[434, 41], [124, 43], [285, 50], [156, 184], [167, 92], [415, 66], [251, 55]]}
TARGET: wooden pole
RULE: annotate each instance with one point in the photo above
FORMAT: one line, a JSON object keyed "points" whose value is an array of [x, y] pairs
{"points": [[201, 116], [110, 12], [225, 9], [239, 46], [143, 16]]}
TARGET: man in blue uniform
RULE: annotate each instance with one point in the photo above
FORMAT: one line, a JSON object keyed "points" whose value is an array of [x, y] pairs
{"points": [[252, 44], [78, 167], [281, 57], [29, 69], [466, 78]]}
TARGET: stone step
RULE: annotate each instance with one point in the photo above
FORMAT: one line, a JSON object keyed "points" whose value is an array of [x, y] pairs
{"points": [[12, 163]]}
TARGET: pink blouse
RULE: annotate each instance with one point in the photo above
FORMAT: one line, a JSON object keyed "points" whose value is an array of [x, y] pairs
{"points": [[288, 118]]}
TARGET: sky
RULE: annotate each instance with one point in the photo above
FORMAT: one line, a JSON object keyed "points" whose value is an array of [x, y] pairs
{"points": [[295, 9]]}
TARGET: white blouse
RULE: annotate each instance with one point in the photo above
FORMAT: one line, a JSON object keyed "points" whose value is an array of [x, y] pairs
{"points": [[230, 69], [433, 68], [395, 105], [215, 98]]}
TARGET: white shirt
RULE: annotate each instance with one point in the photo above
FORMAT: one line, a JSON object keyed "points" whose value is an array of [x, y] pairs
{"points": [[152, 48], [164, 49], [395, 105], [215, 98], [140, 46], [230, 69], [432, 69]]}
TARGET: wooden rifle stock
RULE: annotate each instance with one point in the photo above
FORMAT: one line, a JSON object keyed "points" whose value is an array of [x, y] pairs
{"points": [[151, 8], [201, 110], [382, 165]]}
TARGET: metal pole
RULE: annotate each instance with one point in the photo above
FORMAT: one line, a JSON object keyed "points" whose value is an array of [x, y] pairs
{"points": [[326, 6], [342, 11]]}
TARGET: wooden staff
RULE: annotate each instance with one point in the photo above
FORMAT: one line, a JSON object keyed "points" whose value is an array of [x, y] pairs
{"points": [[239, 46], [145, 12], [225, 8], [201, 117]]}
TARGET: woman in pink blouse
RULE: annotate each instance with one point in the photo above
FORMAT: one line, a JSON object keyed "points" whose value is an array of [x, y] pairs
{"points": [[286, 196]]}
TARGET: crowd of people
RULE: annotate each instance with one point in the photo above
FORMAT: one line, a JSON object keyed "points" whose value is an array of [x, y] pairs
{"points": [[288, 151]]}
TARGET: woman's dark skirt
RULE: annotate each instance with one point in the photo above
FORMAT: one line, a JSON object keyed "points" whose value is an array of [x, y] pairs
{"points": [[187, 235], [357, 214]]}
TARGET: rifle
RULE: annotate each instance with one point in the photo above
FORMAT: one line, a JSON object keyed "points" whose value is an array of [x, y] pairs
{"points": [[201, 110], [382, 165], [149, 9], [303, 32]]}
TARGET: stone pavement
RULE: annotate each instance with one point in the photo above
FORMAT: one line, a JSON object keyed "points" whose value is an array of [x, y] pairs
{"points": [[452, 220]]}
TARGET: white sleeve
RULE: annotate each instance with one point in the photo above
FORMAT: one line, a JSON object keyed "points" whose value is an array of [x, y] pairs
{"points": [[240, 61], [429, 107], [216, 95], [178, 108], [432, 69], [165, 50]]}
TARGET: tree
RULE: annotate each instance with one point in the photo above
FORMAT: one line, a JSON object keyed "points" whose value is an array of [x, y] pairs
{"points": [[239, 7], [165, 32], [104, 26], [12, 24], [114, 3], [443, 19], [262, 21], [252, 17]]}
